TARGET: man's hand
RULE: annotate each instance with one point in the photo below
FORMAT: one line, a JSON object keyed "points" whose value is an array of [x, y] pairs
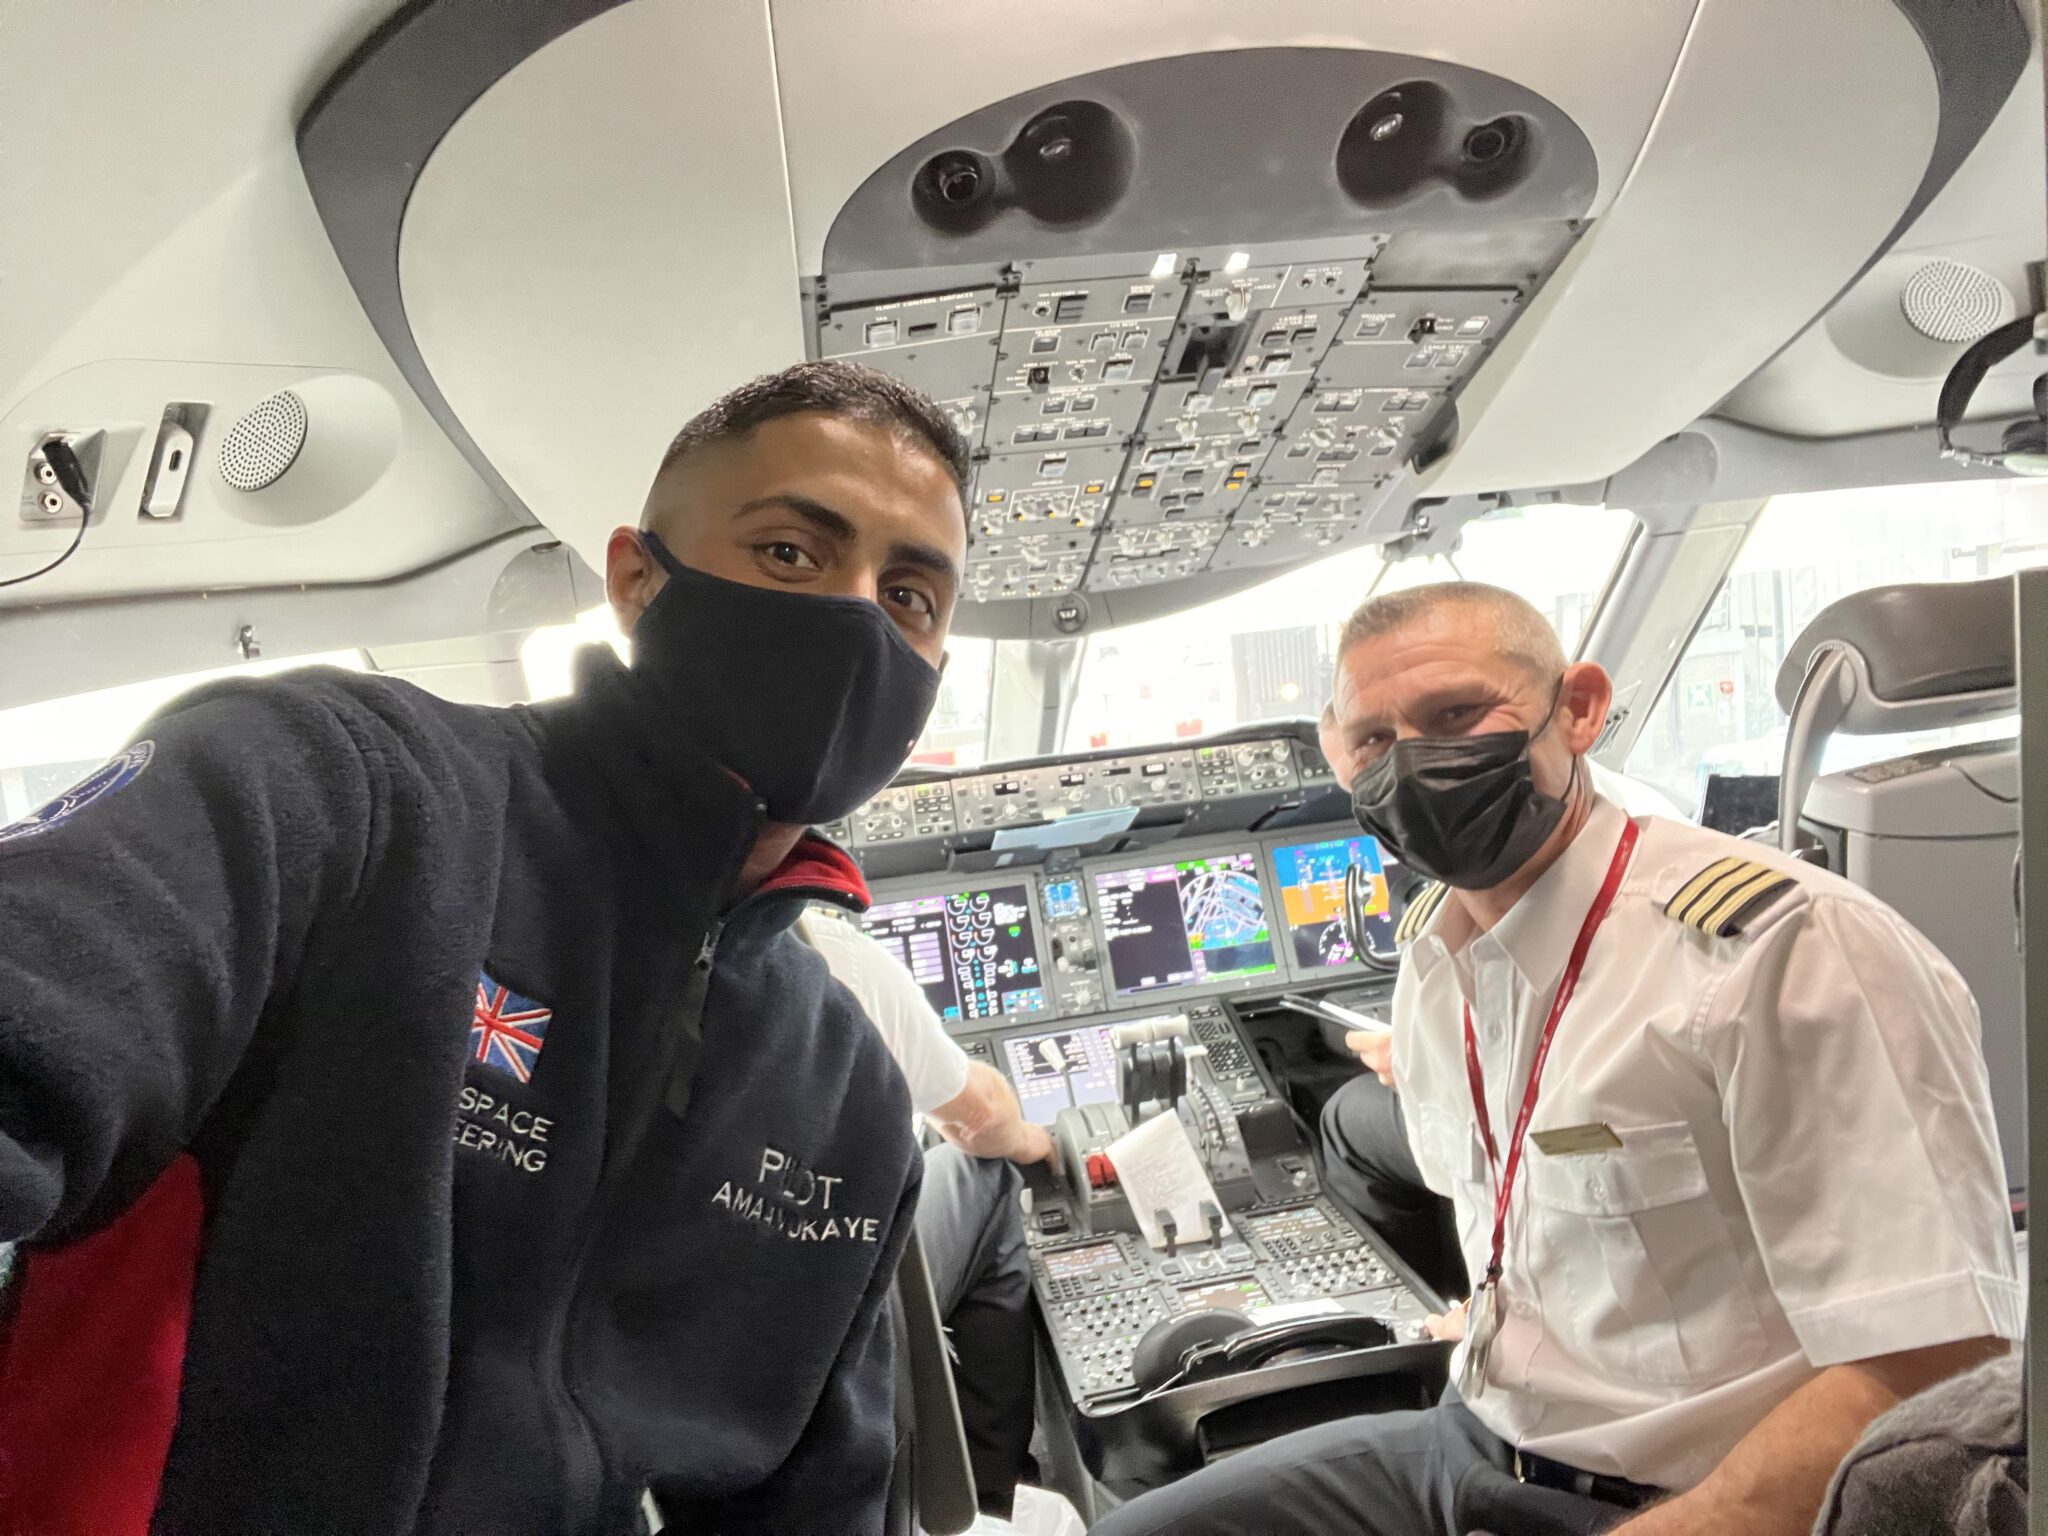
{"points": [[1773, 1482], [1374, 1047], [1033, 1144], [1447, 1326], [983, 1120]]}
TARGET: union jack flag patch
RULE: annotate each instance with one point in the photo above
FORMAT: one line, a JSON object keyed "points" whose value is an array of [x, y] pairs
{"points": [[505, 1029]]}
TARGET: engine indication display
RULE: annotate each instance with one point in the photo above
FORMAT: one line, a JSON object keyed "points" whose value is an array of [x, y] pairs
{"points": [[1061, 1069], [974, 952], [1311, 881], [1184, 924]]}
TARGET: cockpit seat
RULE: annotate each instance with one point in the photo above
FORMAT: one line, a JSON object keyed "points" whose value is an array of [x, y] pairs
{"points": [[932, 1488], [1933, 834]]}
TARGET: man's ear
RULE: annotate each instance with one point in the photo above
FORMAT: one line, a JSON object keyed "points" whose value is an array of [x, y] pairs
{"points": [[1586, 694], [631, 578]]}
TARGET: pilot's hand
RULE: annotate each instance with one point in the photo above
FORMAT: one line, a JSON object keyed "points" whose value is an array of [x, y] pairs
{"points": [[1033, 1144], [1447, 1326], [1374, 1047]]}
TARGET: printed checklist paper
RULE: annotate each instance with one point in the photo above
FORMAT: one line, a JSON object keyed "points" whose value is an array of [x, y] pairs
{"points": [[1159, 1170]]}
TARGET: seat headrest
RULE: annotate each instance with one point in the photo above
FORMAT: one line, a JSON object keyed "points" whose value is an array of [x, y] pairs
{"points": [[1926, 654]]}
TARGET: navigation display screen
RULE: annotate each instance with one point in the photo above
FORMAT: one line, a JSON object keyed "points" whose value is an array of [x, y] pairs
{"points": [[1062, 1069], [974, 952], [1311, 881], [1184, 924]]}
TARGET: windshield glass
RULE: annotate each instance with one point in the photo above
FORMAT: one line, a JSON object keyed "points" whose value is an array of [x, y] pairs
{"points": [[1269, 652], [46, 748], [1719, 713]]}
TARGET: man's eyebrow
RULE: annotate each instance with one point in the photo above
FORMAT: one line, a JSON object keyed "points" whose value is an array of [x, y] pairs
{"points": [[925, 558], [835, 525]]}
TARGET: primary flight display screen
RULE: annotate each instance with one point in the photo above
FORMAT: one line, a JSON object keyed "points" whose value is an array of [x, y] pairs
{"points": [[1185, 923], [1062, 1069], [975, 952], [1311, 881]]}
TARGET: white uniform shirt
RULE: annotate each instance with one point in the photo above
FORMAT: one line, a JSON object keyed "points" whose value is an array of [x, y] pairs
{"points": [[1808, 1172], [1633, 796], [931, 1063]]}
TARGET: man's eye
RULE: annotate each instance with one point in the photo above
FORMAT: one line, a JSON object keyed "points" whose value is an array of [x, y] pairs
{"points": [[916, 601], [782, 552]]}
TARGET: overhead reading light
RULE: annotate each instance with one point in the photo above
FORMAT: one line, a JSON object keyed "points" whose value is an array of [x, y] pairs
{"points": [[2023, 449]]}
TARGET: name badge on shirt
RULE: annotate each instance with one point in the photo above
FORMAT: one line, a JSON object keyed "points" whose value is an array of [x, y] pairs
{"points": [[1576, 1140]]}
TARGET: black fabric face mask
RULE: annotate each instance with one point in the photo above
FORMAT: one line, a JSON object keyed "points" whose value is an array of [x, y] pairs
{"points": [[815, 701], [1461, 809]]}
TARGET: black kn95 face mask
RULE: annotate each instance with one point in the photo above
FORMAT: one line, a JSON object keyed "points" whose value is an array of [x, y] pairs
{"points": [[1461, 809], [814, 700]]}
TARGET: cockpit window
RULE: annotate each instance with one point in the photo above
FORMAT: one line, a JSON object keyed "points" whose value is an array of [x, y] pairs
{"points": [[1719, 713], [1268, 652], [47, 747]]}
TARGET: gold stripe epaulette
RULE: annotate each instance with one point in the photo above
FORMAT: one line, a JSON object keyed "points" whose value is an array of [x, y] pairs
{"points": [[1722, 899], [1421, 908]]}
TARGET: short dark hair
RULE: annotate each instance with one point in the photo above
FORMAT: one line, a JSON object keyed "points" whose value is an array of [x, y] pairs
{"points": [[849, 390], [1519, 629]]}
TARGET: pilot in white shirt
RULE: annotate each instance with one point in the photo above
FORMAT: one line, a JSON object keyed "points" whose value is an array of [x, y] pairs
{"points": [[968, 1217], [1754, 1189], [1367, 1160]]}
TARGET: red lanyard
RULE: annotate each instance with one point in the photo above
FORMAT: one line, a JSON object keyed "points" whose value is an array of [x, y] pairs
{"points": [[1504, 1179]]}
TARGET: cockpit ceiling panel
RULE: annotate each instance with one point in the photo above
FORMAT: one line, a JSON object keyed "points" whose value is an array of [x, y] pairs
{"points": [[590, 254], [1605, 64], [1128, 398]]}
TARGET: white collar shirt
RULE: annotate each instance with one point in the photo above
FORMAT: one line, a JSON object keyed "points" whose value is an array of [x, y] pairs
{"points": [[1808, 1173]]}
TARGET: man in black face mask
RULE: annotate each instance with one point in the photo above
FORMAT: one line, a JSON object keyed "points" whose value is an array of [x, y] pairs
{"points": [[1715, 1126], [422, 1118]]}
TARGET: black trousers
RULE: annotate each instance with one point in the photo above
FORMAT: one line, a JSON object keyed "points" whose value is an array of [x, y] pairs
{"points": [[1368, 1166], [1438, 1472], [973, 1235]]}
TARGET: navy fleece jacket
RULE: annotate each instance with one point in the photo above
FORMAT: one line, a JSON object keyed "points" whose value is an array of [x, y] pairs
{"points": [[528, 1170]]}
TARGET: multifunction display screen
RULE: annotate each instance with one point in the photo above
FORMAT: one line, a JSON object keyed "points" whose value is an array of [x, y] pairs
{"points": [[1185, 923], [1081, 1263], [1060, 1069]]}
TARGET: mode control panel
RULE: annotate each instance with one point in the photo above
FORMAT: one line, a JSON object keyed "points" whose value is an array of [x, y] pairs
{"points": [[979, 802]]}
